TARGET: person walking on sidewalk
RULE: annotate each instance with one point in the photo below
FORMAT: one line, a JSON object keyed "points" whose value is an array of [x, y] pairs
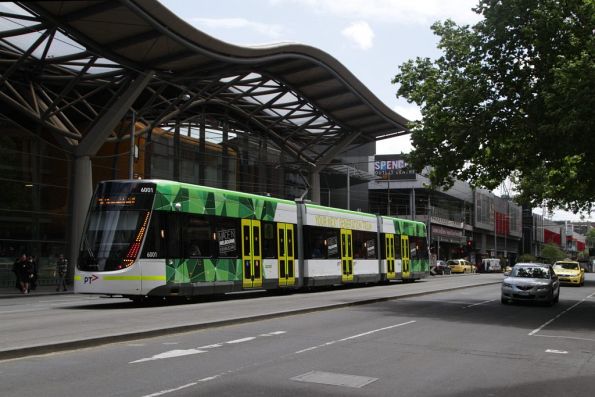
{"points": [[16, 270], [33, 281], [24, 273], [60, 272]]}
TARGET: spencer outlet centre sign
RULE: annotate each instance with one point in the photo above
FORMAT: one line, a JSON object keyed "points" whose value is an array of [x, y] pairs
{"points": [[393, 167]]}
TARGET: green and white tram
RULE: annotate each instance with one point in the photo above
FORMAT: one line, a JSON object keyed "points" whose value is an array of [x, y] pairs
{"points": [[161, 238]]}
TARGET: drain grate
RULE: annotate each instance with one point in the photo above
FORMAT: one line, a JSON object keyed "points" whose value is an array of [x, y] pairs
{"points": [[329, 378]]}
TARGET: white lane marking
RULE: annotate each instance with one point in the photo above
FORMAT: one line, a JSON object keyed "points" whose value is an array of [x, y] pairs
{"points": [[480, 303], [198, 350], [169, 354], [353, 337], [135, 344], [210, 346], [208, 378], [556, 351], [232, 342], [559, 315], [274, 333], [160, 393]]}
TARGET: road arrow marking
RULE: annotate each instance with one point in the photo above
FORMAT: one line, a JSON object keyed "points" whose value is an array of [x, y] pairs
{"points": [[556, 351], [169, 354]]}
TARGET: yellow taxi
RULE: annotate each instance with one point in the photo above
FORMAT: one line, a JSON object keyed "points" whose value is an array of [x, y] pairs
{"points": [[569, 272], [460, 266]]}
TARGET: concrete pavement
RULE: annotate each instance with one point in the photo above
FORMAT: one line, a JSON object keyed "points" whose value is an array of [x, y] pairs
{"points": [[42, 290], [31, 326]]}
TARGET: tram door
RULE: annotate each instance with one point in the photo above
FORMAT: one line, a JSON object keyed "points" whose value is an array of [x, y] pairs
{"points": [[406, 261], [389, 240], [346, 256], [251, 254], [286, 256]]}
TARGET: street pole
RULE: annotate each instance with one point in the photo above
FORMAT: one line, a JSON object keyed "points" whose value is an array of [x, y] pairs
{"points": [[495, 234], [131, 157], [348, 191], [388, 195], [412, 204]]}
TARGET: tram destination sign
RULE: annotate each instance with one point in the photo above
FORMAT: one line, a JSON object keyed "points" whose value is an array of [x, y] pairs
{"points": [[118, 195]]}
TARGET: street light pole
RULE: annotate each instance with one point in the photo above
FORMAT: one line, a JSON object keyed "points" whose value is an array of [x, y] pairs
{"points": [[131, 157], [348, 190], [495, 234], [388, 195]]}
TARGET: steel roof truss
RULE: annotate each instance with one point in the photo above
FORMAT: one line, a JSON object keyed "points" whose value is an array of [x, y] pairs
{"points": [[24, 56], [69, 87]]}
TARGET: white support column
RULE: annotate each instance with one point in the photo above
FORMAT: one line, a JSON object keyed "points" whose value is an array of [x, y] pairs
{"points": [[80, 197]]}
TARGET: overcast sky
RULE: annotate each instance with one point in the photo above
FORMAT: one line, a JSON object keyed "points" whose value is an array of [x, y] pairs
{"points": [[370, 37]]}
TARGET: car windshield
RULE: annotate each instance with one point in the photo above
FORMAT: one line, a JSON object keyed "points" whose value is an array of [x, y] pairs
{"points": [[530, 272], [452, 262], [570, 266]]}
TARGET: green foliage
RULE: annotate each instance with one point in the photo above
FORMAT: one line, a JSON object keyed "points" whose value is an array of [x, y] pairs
{"points": [[511, 96], [552, 253], [527, 258]]}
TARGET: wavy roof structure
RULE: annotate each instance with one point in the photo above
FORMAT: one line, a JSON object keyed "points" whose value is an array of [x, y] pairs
{"points": [[303, 98]]}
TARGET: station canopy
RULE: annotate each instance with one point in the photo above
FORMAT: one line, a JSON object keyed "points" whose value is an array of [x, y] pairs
{"points": [[65, 63]]}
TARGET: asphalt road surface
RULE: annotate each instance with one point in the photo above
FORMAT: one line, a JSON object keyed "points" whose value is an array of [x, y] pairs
{"points": [[456, 343]]}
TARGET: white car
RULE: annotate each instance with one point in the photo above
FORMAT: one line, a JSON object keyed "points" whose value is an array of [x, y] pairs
{"points": [[531, 282]]}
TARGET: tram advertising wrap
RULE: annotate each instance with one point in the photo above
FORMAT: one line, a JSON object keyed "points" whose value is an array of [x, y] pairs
{"points": [[155, 238]]}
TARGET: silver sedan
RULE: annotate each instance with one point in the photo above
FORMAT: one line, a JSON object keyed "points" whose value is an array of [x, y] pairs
{"points": [[531, 282]]}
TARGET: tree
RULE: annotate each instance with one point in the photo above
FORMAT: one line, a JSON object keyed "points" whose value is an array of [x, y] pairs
{"points": [[511, 96], [552, 253]]}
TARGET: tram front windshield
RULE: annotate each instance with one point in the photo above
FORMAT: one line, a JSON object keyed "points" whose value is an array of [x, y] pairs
{"points": [[114, 227]]}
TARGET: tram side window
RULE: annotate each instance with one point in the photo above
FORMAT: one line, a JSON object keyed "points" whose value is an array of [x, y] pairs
{"points": [[163, 236], [155, 243], [419, 247], [227, 237], [364, 245], [269, 240], [321, 242], [197, 237]]}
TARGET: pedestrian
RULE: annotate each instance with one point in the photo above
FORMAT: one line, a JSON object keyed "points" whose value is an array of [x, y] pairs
{"points": [[33, 263], [16, 269], [24, 271], [60, 272]]}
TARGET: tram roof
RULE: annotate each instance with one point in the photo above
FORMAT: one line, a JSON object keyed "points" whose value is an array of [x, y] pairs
{"points": [[145, 35]]}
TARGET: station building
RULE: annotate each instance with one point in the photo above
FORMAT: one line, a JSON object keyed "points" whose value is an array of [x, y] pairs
{"points": [[119, 90], [462, 222]]}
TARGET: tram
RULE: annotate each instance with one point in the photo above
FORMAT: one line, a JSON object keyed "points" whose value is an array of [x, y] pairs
{"points": [[157, 238]]}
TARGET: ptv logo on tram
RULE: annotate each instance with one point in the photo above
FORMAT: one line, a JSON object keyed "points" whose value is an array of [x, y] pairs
{"points": [[89, 279]]}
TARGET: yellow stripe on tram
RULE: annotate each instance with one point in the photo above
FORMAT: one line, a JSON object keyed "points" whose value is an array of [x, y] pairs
{"points": [[134, 278], [77, 278]]}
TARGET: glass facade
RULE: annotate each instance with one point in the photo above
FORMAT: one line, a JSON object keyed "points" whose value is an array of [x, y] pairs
{"points": [[33, 201]]}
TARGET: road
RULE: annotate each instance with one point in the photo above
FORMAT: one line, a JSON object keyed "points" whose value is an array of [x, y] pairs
{"points": [[455, 343], [31, 324]]}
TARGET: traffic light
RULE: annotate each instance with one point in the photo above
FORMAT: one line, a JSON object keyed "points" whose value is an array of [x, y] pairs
{"points": [[469, 245]]}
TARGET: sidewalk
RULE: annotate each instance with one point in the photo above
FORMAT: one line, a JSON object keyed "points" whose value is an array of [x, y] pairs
{"points": [[41, 290]]}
